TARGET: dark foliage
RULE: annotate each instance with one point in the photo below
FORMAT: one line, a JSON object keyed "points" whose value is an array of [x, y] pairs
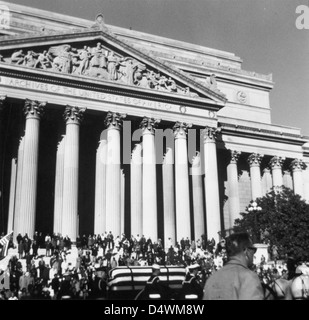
{"points": [[283, 221]]}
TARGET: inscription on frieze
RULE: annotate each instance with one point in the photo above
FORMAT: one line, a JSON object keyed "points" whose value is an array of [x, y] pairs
{"points": [[82, 93]]}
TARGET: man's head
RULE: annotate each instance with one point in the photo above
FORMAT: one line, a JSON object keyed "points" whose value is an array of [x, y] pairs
{"points": [[155, 269], [194, 268], [240, 244]]}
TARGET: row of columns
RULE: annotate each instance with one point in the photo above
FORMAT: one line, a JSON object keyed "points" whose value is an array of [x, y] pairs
{"points": [[66, 190], [273, 175], [175, 175], [109, 196]]}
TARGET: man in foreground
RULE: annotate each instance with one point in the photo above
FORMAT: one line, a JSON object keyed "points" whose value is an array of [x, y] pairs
{"points": [[235, 281]]}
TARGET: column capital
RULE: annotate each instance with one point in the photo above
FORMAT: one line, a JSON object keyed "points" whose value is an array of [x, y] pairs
{"points": [[234, 156], [276, 162], [255, 159], [73, 114], [297, 165], [148, 125], [210, 134], [113, 120], [180, 129], [34, 109]]}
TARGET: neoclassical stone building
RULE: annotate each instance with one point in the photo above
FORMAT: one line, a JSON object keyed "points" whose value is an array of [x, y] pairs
{"points": [[109, 129]]}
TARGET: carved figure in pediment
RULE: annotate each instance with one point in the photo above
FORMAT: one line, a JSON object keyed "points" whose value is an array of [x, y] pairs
{"points": [[97, 62], [43, 61], [139, 72], [1, 58], [112, 64], [18, 57], [84, 60], [127, 68], [162, 83], [98, 56], [30, 59], [63, 57], [143, 82], [187, 92], [153, 80], [171, 85]]}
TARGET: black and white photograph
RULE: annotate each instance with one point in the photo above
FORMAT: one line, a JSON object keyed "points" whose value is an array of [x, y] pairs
{"points": [[154, 151]]}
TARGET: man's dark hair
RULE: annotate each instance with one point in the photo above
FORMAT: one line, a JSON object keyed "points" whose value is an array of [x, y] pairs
{"points": [[237, 242]]}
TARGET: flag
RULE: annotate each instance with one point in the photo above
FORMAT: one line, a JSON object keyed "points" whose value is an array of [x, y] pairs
{"points": [[4, 242]]}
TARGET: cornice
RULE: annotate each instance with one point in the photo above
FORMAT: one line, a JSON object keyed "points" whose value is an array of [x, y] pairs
{"points": [[261, 134]]}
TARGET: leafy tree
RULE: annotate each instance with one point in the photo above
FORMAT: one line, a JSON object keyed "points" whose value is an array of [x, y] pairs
{"points": [[283, 221]]}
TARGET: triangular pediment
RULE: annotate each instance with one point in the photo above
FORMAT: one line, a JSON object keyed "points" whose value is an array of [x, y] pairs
{"points": [[101, 55]]}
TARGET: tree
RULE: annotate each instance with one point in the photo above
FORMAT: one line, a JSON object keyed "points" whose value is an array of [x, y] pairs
{"points": [[283, 221]]}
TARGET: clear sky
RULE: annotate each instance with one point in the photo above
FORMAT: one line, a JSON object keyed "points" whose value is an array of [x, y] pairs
{"points": [[262, 32]]}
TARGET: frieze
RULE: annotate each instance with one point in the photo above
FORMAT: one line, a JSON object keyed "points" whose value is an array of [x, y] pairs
{"points": [[82, 93]]}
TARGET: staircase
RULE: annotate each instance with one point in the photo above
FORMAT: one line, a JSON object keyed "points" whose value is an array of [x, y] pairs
{"points": [[71, 257]]}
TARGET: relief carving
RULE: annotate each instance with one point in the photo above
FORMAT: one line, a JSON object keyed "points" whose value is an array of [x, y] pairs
{"points": [[99, 62]]}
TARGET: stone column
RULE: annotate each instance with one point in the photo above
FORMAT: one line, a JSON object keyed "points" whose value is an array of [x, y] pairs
{"points": [[198, 198], [233, 192], [100, 189], [136, 191], [266, 181], [33, 111], [150, 222], [306, 181], [276, 169], [73, 117], [254, 161], [113, 122], [168, 197], [122, 202], [183, 223], [287, 179], [297, 166], [12, 196], [17, 213], [213, 221], [2, 130], [58, 201]]}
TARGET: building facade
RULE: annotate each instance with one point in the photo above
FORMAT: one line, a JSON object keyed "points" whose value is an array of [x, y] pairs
{"points": [[109, 129]]}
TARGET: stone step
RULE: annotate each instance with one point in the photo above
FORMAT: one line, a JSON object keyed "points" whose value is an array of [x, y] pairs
{"points": [[71, 257]]}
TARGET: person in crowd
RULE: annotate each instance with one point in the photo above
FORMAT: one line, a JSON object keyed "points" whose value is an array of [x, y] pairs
{"points": [[235, 280], [48, 245], [191, 286], [154, 289], [20, 248]]}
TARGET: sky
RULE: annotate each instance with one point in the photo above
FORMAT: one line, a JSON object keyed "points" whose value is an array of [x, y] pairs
{"points": [[262, 33]]}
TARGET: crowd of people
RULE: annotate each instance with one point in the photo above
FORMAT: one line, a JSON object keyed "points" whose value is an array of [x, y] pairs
{"points": [[86, 276]]}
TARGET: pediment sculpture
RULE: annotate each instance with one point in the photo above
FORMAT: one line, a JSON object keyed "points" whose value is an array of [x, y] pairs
{"points": [[98, 62]]}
